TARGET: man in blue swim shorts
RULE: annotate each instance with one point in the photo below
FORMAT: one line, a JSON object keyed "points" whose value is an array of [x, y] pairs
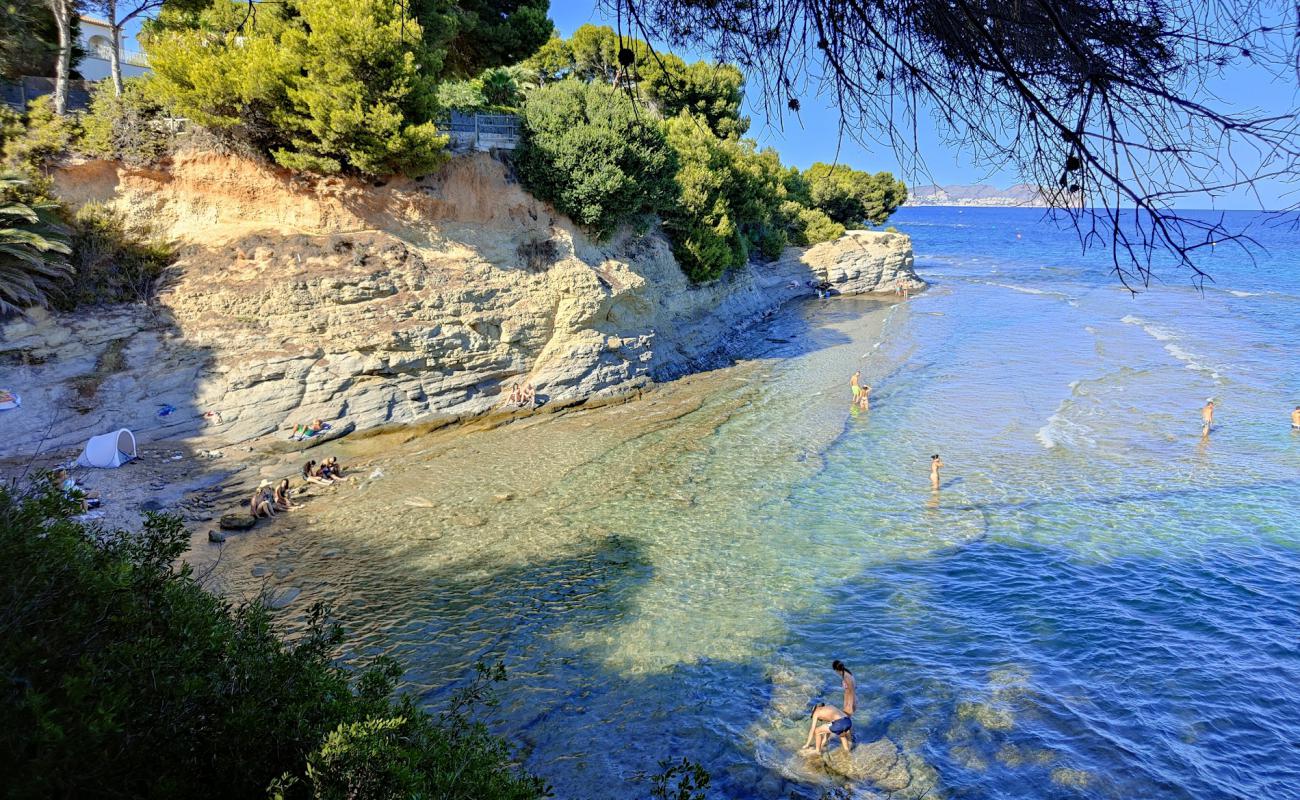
{"points": [[833, 723]]}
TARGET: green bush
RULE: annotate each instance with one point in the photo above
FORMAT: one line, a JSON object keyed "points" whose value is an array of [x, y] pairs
{"points": [[112, 262], [589, 151], [33, 247], [853, 197], [125, 678], [729, 200], [808, 226], [129, 127], [46, 139]]}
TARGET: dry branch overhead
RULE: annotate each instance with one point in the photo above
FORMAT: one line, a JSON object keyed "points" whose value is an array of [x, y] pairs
{"points": [[1109, 106]]}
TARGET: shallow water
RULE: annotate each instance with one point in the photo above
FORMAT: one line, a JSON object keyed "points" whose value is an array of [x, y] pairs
{"points": [[1097, 603]]}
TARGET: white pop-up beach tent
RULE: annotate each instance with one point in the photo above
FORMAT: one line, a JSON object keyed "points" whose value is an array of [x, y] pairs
{"points": [[108, 450]]}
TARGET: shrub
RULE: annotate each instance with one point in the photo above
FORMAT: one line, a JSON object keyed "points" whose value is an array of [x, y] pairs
{"points": [[47, 138], [33, 247], [589, 151], [112, 262], [124, 677], [129, 127], [853, 197], [808, 226], [728, 201]]}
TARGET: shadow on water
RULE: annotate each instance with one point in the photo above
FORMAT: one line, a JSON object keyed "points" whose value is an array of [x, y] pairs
{"points": [[1011, 671]]}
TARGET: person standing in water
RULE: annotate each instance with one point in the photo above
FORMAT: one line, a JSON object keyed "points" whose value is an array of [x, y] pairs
{"points": [[1207, 418], [936, 464], [864, 397], [855, 384], [1295, 419], [850, 687]]}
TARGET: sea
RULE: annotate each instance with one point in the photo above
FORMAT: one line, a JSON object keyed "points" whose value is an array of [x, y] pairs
{"points": [[1098, 601]]}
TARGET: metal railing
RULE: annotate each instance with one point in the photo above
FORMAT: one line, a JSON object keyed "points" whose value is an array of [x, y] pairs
{"points": [[482, 131]]}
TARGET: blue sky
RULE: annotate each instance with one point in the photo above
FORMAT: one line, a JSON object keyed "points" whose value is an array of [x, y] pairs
{"points": [[816, 140]]}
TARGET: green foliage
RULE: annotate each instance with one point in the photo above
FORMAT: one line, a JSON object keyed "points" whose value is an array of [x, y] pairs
{"points": [[495, 33], [124, 677], [33, 247], [29, 39], [322, 85], [808, 226], [112, 262], [500, 89], [729, 200], [590, 152], [11, 125], [680, 780], [852, 197], [47, 138], [713, 92], [129, 127]]}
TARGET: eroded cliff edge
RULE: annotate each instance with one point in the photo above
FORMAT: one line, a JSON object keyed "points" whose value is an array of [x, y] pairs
{"points": [[379, 304]]}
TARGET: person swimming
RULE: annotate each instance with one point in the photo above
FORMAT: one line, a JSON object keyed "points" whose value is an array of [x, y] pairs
{"points": [[834, 723], [936, 464]]}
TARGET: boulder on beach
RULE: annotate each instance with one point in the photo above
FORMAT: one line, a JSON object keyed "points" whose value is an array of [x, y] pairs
{"points": [[237, 522], [216, 537]]}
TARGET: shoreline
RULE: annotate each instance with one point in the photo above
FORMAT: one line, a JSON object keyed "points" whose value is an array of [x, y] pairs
{"points": [[202, 479]]}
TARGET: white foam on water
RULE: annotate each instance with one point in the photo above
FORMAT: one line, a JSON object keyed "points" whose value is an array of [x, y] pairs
{"points": [[1060, 430], [1032, 290], [1170, 340]]}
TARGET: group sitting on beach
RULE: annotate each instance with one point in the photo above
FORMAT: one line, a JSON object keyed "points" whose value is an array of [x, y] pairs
{"points": [[325, 473], [522, 396]]}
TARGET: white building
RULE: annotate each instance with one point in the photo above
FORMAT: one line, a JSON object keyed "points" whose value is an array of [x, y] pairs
{"points": [[97, 41]]}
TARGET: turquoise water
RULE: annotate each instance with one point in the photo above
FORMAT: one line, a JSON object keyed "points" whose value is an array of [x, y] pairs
{"points": [[1097, 603]]}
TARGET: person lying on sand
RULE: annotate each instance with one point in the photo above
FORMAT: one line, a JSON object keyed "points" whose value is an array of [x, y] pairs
{"points": [[828, 721], [280, 499], [261, 504]]}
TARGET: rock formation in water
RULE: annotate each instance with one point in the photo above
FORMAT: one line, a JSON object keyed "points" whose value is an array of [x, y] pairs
{"points": [[299, 298]]}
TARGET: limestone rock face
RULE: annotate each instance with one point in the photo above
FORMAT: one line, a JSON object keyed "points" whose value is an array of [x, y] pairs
{"points": [[295, 299]]}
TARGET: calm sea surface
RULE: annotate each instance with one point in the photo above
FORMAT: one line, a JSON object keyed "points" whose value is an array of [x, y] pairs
{"points": [[1096, 604]]}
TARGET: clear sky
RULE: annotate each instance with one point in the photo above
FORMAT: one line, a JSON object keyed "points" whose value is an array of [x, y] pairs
{"points": [[817, 140]]}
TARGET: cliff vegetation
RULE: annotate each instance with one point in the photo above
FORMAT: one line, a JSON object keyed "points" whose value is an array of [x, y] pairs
{"points": [[613, 134]]}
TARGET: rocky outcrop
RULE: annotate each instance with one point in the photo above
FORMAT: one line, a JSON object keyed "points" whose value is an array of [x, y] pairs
{"points": [[297, 299]]}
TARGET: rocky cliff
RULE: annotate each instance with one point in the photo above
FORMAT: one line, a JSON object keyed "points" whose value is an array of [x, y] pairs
{"points": [[378, 304]]}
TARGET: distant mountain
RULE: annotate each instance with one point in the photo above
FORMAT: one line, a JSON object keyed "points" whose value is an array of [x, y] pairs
{"points": [[975, 194]]}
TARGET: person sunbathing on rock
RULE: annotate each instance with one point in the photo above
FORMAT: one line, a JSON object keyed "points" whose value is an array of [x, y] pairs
{"points": [[833, 723]]}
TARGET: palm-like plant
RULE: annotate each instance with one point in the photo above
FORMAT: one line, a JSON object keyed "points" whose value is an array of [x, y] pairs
{"points": [[33, 248]]}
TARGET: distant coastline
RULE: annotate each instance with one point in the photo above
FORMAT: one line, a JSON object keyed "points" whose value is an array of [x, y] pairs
{"points": [[1021, 195]]}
